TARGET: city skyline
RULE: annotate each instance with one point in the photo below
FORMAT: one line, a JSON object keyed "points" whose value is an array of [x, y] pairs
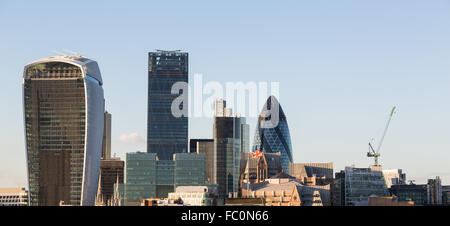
{"points": [[339, 74]]}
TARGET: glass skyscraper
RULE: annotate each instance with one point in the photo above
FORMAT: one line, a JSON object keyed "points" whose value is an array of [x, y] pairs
{"points": [[274, 138], [166, 134], [63, 113]]}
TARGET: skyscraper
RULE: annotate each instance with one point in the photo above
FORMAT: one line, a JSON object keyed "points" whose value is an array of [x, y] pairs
{"points": [[228, 139], [272, 133], [63, 113], [166, 133], [106, 145]]}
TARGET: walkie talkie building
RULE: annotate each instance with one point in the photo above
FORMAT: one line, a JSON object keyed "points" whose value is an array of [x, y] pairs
{"points": [[63, 117]]}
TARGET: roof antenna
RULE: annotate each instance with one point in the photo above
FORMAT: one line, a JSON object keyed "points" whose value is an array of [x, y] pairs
{"points": [[72, 52], [59, 53]]}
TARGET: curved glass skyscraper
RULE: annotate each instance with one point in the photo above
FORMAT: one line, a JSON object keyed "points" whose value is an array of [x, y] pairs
{"points": [[63, 113], [272, 133]]}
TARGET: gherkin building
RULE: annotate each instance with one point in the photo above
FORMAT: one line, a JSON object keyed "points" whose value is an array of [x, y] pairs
{"points": [[272, 133]]}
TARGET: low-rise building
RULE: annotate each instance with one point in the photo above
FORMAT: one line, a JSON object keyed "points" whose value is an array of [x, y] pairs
{"points": [[160, 202], [285, 190], [195, 195], [388, 201], [148, 177], [446, 195], [312, 173], [394, 177], [411, 192], [362, 183], [13, 197]]}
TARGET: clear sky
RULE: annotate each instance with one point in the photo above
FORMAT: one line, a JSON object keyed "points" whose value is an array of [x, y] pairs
{"points": [[341, 65]]}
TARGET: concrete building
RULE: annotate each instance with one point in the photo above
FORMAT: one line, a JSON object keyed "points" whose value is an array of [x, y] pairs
{"points": [[362, 183], [394, 177], [195, 195], [111, 173], [106, 144], [160, 202], [13, 197], [244, 202], [312, 173], [284, 190], [206, 147], [434, 191], [63, 117]]}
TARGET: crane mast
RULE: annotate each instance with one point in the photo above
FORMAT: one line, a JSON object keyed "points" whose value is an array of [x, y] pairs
{"points": [[376, 153]]}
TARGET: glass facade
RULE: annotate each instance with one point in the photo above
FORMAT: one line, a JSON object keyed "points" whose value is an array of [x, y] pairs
{"points": [[276, 139], [140, 176], [149, 177], [166, 134], [190, 169], [411, 192], [227, 152], [56, 132], [361, 183]]}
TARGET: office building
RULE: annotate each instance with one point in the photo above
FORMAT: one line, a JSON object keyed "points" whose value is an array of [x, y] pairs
{"points": [[111, 173], [13, 197], [167, 133], [388, 201], [205, 147], [435, 191], [220, 108], [63, 113], [362, 183], [106, 144], [195, 195], [189, 169], [148, 177], [140, 180], [338, 196], [394, 177], [312, 173], [284, 190], [227, 133], [272, 133], [446, 195], [411, 192]]}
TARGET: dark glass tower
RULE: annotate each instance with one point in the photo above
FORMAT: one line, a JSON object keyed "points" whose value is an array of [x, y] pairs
{"points": [[227, 152], [275, 138], [166, 134]]}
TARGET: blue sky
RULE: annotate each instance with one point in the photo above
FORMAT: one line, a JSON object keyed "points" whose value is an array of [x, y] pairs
{"points": [[341, 66]]}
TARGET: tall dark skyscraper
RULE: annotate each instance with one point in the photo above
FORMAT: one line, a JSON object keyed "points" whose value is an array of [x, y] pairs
{"points": [[228, 139], [166, 133], [63, 113]]}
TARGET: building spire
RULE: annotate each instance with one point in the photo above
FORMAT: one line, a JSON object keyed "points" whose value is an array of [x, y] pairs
{"points": [[99, 198]]}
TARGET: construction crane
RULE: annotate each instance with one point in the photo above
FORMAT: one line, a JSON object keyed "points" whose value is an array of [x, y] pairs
{"points": [[376, 153]]}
